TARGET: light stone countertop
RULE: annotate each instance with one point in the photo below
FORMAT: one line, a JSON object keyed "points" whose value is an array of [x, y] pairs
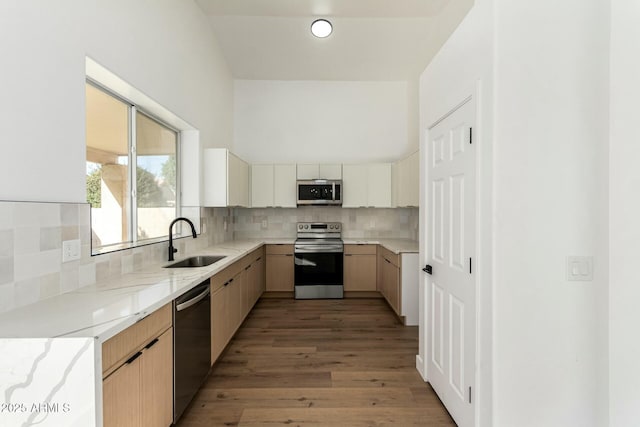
{"points": [[397, 246], [102, 310]]}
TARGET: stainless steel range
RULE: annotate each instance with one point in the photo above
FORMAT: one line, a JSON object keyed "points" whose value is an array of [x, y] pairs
{"points": [[318, 260]]}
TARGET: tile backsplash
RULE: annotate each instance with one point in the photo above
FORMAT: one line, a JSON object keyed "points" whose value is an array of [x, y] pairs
{"points": [[31, 236], [356, 223]]}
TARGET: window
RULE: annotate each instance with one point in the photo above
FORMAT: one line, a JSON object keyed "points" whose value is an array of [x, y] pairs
{"points": [[132, 179]]}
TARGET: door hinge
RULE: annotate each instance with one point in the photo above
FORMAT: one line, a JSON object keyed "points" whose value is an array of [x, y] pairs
{"points": [[470, 135], [469, 394], [470, 270]]}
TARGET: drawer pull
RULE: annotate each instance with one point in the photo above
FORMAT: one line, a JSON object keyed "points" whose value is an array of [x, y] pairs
{"points": [[132, 358], [151, 344]]}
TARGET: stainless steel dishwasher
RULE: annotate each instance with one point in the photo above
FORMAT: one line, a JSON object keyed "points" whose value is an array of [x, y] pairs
{"points": [[191, 345]]}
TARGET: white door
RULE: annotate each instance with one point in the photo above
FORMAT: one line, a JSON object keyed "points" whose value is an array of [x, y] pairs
{"points": [[450, 233]]}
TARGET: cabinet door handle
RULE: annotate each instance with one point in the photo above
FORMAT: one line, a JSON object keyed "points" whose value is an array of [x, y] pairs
{"points": [[132, 358], [347, 254], [151, 344], [247, 267], [288, 254]]}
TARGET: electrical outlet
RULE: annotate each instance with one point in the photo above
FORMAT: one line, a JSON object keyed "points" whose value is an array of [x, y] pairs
{"points": [[264, 224], [70, 250]]}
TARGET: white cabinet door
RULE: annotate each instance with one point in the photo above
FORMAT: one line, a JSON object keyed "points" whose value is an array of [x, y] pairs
{"points": [[284, 186], [411, 179], [308, 171], [238, 174], [379, 183], [226, 179], [215, 177], [262, 186], [330, 171], [316, 171], [406, 181], [354, 186]]}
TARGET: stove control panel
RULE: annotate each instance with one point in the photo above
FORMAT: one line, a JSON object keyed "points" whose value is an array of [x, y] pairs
{"points": [[319, 227]]}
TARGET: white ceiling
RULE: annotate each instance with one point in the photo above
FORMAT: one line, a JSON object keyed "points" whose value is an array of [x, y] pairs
{"points": [[372, 40]]}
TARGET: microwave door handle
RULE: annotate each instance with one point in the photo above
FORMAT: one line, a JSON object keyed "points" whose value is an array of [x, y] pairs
{"points": [[333, 191]]}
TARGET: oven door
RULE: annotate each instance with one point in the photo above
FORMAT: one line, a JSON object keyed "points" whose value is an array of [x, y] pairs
{"points": [[318, 274]]}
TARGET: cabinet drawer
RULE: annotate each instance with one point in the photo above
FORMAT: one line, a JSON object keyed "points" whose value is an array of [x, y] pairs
{"points": [[390, 256], [360, 249], [279, 249], [118, 348], [219, 279]]}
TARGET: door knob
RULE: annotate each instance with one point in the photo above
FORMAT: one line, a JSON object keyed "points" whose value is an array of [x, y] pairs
{"points": [[428, 269]]}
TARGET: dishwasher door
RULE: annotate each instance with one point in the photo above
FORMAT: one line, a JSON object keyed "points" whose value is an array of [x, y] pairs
{"points": [[191, 345]]}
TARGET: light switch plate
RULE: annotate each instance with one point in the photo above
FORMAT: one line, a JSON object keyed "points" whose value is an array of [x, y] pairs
{"points": [[70, 250], [580, 268]]}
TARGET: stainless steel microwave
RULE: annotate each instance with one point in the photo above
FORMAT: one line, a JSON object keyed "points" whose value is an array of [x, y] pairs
{"points": [[320, 192]]}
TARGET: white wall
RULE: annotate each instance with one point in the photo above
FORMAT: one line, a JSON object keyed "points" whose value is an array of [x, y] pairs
{"points": [[543, 118], [164, 48], [463, 67], [321, 121], [624, 241], [551, 77]]}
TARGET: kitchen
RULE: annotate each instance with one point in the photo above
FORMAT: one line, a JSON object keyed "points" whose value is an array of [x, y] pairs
{"points": [[44, 71]]}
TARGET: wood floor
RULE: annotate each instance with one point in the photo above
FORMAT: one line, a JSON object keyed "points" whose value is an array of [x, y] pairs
{"points": [[318, 363]]}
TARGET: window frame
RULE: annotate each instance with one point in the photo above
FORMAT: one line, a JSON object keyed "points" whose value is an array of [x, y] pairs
{"points": [[132, 217]]}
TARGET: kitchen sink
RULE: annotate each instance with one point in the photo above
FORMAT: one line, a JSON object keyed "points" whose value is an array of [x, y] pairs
{"points": [[196, 261]]}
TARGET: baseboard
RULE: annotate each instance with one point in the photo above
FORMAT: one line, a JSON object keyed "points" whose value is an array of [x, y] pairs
{"points": [[277, 294], [420, 367], [362, 294]]}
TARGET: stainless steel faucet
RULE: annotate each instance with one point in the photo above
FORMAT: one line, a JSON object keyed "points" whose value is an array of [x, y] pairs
{"points": [[173, 250]]}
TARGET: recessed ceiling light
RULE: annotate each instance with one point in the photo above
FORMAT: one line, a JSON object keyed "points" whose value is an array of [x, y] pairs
{"points": [[321, 28]]}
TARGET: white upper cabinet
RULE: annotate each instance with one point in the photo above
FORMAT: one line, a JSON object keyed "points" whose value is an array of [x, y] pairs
{"points": [[316, 171], [226, 179], [379, 180], [261, 186], [367, 185], [284, 186], [354, 186], [273, 186], [406, 181]]}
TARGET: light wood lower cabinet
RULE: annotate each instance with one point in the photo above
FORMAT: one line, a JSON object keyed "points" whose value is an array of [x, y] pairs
{"points": [[234, 292], [122, 400], [219, 321], [360, 268], [280, 268], [254, 285], [389, 278], [157, 381], [398, 276], [138, 385]]}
